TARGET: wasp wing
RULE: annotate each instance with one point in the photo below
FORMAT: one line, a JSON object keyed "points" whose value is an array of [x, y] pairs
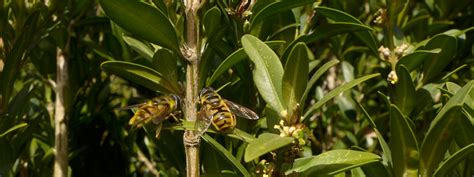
{"points": [[158, 131], [132, 107], [203, 121], [241, 111]]}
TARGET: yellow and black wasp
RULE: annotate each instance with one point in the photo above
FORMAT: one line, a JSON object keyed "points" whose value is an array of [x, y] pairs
{"points": [[219, 112], [156, 110]]}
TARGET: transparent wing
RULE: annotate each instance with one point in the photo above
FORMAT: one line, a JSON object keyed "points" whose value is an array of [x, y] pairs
{"points": [[158, 131], [203, 122], [135, 106], [241, 111]]}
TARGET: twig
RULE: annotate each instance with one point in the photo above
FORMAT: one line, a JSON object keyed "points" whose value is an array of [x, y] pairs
{"points": [[61, 144], [60, 120], [147, 163], [192, 53]]}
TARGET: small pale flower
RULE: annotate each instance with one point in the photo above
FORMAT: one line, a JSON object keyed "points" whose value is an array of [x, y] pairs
{"points": [[392, 77]]}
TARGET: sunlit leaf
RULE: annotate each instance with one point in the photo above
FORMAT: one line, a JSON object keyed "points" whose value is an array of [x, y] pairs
{"points": [[140, 47], [265, 143], [332, 162], [13, 129], [268, 73], [295, 76], [233, 59]]}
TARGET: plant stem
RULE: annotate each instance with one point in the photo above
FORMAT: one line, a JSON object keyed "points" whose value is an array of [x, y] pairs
{"points": [[61, 108], [391, 21], [61, 144], [147, 163], [192, 54]]}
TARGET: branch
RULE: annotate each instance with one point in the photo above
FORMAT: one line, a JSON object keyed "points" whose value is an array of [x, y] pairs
{"points": [[192, 53], [60, 120], [61, 144], [147, 162]]}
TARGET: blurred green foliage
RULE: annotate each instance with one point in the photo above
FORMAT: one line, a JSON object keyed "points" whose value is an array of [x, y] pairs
{"points": [[343, 88]]}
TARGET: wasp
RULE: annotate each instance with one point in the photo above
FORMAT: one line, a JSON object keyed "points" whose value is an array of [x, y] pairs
{"points": [[156, 110], [219, 112]]}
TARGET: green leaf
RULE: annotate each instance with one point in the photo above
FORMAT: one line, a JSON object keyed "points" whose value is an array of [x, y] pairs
{"points": [[295, 76], [161, 5], [18, 106], [326, 31], [141, 75], [233, 59], [13, 129], [375, 169], [450, 163], [226, 154], [404, 96], [434, 65], [336, 92], [268, 72], [140, 47], [415, 59], [387, 153], [277, 7], [166, 63], [26, 40], [395, 8], [464, 134], [315, 77], [440, 133], [332, 29], [265, 143], [452, 87], [142, 20], [448, 75], [332, 162], [457, 32], [212, 21], [339, 16], [403, 145]]}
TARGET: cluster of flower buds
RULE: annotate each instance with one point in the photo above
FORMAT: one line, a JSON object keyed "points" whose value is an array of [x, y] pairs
{"points": [[392, 77], [384, 53], [294, 131], [381, 16], [393, 58], [264, 168], [397, 53], [401, 50]]}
